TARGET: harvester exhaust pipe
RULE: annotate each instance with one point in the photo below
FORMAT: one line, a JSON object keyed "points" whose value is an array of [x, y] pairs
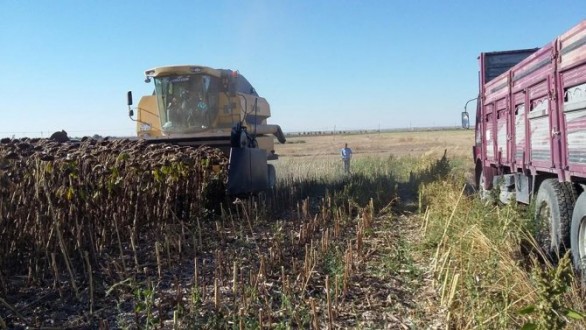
{"points": [[271, 129]]}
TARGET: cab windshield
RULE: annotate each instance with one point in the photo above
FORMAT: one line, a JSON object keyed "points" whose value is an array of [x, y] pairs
{"points": [[186, 102]]}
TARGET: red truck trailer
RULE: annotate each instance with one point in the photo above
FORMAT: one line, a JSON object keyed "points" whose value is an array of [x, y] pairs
{"points": [[530, 141]]}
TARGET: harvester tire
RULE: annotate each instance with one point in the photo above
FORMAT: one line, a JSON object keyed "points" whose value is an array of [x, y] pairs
{"points": [[553, 216]]}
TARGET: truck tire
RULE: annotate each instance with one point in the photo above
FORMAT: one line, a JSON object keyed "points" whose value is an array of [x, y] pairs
{"points": [[578, 236], [553, 216]]}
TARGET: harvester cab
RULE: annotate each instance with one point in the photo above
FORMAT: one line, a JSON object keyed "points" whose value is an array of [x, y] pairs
{"points": [[197, 105]]}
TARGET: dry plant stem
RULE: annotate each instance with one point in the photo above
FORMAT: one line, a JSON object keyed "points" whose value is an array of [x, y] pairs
{"points": [[158, 254], [175, 320], [241, 286], [234, 279], [220, 272], [359, 229], [67, 260], [200, 240], [9, 306], [55, 271], [261, 268], [2, 323], [120, 247], [308, 278], [168, 250], [270, 320], [284, 281], [203, 293], [241, 316], [135, 225], [195, 282], [447, 226], [179, 293], [91, 280], [181, 239], [61, 242], [336, 294], [219, 230], [216, 294], [133, 245], [347, 269], [451, 296], [315, 320], [425, 222], [330, 313], [2, 284], [246, 215]]}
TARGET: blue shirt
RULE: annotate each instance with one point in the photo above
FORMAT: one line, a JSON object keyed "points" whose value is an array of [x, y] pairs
{"points": [[346, 153]]}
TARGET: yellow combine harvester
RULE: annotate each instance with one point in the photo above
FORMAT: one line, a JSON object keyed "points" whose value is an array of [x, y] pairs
{"points": [[196, 105]]}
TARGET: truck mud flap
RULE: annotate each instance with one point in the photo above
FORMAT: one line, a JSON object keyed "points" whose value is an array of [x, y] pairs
{"points": [[247, 171]]}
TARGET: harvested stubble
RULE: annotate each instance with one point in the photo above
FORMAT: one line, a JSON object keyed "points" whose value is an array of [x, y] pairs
{"points": [[61, 200]]}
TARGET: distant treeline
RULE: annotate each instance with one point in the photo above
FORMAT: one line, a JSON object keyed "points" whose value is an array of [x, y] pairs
{"points": [[371, 131]]}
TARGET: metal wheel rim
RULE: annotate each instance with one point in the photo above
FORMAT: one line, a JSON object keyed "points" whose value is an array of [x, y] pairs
{"points": [[483, 192], [582, 240]]}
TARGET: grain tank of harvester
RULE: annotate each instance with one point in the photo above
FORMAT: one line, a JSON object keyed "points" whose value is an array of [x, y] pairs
{"points": [[196, 105], [530, 137]]}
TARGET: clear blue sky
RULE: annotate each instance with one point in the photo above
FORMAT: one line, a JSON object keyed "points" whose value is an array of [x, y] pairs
{"points": [[349, 64]]}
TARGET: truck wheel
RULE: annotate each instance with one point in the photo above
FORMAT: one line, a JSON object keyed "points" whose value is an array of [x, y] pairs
{"points": [[578, 236], [272, 176], [553, 214]]}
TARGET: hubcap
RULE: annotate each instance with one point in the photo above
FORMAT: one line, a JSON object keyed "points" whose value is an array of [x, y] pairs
{"points": [[484, 193], [481, 183], [582, 241]]}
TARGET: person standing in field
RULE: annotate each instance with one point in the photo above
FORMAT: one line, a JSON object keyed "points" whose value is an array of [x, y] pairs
{"points": [[346, 154]]}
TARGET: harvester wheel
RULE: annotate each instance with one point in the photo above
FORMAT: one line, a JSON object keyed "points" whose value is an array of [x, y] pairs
{"points": [[553, 215]]}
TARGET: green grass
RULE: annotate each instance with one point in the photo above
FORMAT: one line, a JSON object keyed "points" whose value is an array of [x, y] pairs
{"points": [[486, 266]]}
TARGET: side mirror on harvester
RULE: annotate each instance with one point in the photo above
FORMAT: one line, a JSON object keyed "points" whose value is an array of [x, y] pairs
{"points": [[129, 98], [129, 103]]}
